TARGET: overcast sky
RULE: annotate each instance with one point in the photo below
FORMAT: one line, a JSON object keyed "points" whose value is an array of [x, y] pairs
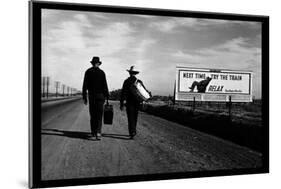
{"points": [[154, 45]]}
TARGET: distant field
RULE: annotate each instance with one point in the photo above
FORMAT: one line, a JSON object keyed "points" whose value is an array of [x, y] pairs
{"points": [[243, 127]]}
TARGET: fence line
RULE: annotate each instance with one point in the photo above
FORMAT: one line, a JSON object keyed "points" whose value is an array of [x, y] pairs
{"points": [[56, 89]]}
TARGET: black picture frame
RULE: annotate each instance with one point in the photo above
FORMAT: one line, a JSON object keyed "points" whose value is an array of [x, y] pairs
{"points": [[35, 8]]}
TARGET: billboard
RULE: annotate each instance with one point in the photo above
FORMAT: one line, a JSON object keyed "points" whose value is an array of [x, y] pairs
{"points": [[213, 85]]}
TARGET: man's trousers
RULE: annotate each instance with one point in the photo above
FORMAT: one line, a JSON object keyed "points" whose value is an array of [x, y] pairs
{"points": [[96, 113], [132, 114]]}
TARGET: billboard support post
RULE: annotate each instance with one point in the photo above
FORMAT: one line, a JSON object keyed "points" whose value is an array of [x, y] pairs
{"points": [[174, 99], [193, 107], [229, 108]]}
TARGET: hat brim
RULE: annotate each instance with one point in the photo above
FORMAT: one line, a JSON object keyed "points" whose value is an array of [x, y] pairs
{"points": [[95, 62], [133, 72]]}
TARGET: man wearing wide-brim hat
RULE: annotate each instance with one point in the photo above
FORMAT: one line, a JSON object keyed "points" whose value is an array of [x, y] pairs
{"points": [[132, 103], [95, 88]]}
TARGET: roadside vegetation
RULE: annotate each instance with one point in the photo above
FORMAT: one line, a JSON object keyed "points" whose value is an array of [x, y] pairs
{"points": [[243, 127]]}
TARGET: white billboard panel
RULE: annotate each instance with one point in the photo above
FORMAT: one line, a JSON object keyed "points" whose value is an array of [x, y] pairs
{"points": [[213, 85]]}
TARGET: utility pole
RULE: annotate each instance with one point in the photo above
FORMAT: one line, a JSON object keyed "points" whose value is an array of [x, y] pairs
{"points": [[43, 83], [63, 87], [57, 84], [48, 83]]}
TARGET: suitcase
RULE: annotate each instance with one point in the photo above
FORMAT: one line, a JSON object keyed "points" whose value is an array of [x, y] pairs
{"points": [[140, 92], [108, 114]]}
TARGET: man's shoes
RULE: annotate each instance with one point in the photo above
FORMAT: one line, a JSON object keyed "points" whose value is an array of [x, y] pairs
{"points": [[92, 136], [98, 137], [132, 135]]}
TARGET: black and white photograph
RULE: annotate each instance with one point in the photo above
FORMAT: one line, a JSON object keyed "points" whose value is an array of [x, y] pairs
{"points": [[138, 94]]}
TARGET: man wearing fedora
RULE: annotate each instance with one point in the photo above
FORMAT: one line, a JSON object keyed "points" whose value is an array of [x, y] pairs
{"points": [[132, 104], [95, 87]]}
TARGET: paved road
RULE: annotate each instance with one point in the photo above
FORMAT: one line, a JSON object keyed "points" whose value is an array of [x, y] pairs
{"points": [[160, 146]]}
